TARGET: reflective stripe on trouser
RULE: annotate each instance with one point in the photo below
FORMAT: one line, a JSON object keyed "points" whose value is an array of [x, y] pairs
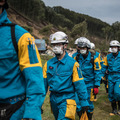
{"points": [[90, 99]]}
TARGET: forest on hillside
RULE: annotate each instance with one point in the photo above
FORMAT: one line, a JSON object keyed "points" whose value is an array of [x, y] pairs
{"points": [[75, 24]]}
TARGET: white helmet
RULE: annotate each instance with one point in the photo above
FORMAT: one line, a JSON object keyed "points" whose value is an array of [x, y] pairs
{"points": [[92, 45], [110, 50], [82, 42], [114, 43], [76, 42], [59, 37]]}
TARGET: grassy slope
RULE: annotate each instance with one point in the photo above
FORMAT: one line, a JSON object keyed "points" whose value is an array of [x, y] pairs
{"points": [[102, 106]]}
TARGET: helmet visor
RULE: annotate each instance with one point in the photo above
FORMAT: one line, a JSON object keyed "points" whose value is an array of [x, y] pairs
{"points": [[82, 44]]}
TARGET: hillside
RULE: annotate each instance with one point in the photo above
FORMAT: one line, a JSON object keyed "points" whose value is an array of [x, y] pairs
{"points": [[41, 21], [21, 20], [34, 28]]}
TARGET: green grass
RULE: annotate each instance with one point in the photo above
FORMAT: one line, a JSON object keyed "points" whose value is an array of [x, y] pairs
{"points": [[102, 105], [47, 115], [45, 58]]}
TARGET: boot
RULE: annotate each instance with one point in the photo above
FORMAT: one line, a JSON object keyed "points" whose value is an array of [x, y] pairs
{"points": [[106, 90], [119, 107], [114, 108], [89, 115]]}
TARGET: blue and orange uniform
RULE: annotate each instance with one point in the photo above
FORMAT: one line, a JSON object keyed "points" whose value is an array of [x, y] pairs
{"points": [[111, 63], [92, 77], [64, 78], [21, 73]]}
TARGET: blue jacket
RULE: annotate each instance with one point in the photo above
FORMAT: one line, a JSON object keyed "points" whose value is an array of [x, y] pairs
{"points": [[21, 73], [90, 73], [64, 76], [97, 54], [111, 63]]}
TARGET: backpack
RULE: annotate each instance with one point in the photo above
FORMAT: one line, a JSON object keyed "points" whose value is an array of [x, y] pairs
{"points": [[12, 25]]}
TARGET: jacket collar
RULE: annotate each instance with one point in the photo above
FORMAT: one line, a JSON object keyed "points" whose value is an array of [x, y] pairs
{"points": [[3, 17]]}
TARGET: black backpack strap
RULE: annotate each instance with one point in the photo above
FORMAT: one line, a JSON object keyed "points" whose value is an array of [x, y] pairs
{"points": [[12, 25], [92, 59], [13, 38], [77, 57]]}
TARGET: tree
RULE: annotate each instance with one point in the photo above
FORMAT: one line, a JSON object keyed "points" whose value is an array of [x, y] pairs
{"points": [[79, 30], [107, 32], [33, 9], [116, 30]]}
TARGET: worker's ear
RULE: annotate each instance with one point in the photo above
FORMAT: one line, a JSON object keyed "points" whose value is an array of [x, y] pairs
{"points": [[65, 46]]}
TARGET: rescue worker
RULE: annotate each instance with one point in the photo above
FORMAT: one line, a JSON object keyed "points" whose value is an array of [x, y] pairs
{"points": [[106, 82], [63, 76], [77, 48], [111, 63], [98, 55], [90, 71], [105, 79], [22, 90]]}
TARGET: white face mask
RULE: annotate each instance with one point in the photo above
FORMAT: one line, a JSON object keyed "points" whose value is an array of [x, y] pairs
{"points": [[83, 52], [114, 50], [58, 50]]}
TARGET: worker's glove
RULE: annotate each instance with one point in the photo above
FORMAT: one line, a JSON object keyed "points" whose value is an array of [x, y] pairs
{"points": [[85, 108], [96, 90]]}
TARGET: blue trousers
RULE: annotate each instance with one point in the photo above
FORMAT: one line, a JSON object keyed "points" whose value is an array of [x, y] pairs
{"points": [[114, 90], [59, 106], [90, 101]]}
